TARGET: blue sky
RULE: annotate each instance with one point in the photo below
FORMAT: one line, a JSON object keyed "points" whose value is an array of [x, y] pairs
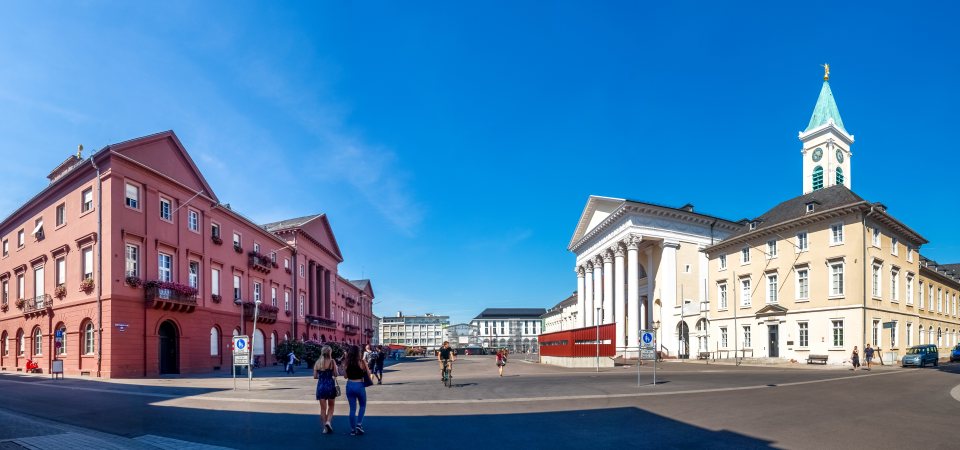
{"points": [[454, 146]]}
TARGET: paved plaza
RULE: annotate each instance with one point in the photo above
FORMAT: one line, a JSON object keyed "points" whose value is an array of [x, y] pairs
{"points": [[694, 404]]}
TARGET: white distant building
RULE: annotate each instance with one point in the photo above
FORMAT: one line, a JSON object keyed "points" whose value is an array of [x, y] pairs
{"points": [[376, 330], [462, 335], [414, 331], [561, 317], [515, 329]]}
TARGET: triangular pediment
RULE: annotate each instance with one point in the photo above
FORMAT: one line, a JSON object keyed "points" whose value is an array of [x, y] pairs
{"points": [[772, 310], [596, 211], [320, 230], [164, 153]]}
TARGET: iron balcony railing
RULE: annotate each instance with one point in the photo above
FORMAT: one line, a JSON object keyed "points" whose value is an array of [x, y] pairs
{"points": [[169, 295], [38, 303]]}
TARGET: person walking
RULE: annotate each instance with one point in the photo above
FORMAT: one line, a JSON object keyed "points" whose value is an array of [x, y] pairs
{"points": [[324, 371], [356, 371], [370, 356], [290, 360], [501, 360], [378, 368], [855, 358], [868, 355]]}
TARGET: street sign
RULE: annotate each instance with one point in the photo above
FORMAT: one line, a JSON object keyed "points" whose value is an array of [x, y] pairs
{"points": [[647, 340], [648, 354], [241, 344], [59, 334], [241, 359], [890, 324]]}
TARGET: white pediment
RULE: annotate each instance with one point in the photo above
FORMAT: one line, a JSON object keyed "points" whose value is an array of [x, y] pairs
{"points": [[596, 211]]}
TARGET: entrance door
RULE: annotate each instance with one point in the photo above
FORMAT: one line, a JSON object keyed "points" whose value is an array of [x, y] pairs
{"points": [[169, 348], [774, 342], [683, 333]]}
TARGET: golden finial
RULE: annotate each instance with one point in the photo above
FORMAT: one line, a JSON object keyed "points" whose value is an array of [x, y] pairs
{"points": [[826, 72], [79, 151]]}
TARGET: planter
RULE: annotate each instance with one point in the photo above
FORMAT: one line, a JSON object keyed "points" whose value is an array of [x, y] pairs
{"points": [[60, 291], [216, 240], [238, 249], [5, 307], [134, 281], [86, 285], [216, 298], [20, 302]]}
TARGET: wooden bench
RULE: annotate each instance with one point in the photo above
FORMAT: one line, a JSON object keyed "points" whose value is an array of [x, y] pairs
{"points": [[822, 359], [703, 355]]}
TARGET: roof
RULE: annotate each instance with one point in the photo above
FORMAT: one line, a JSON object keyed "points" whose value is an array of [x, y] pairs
{"points": [[558, 308], [508, 313], [825, 110], [360, 284], [832, 197], [289, 223]]}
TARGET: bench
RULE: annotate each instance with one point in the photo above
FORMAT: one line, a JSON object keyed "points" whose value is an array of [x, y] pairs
{"points": [[703, 355], [822, 359]]}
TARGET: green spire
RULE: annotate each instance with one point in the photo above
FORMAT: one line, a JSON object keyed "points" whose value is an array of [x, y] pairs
{"points": [[825, 110]]}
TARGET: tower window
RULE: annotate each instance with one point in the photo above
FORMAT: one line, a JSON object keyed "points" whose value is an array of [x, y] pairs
{"points": [[839, 175], [818, 178]]}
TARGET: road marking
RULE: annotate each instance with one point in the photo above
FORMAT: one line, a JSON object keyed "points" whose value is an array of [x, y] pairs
{"points": [[955, 392]]}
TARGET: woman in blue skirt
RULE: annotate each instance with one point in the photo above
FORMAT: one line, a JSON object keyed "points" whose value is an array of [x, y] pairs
{"points": [[324, 372]]}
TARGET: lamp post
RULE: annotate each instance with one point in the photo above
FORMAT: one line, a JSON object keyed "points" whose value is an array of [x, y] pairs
{"points": [[656, 349], [253, 347], [598, 319]]}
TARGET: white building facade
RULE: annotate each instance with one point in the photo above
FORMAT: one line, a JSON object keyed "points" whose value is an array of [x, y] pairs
{"points": [[515, 329], [413, 331], [563, 316]]}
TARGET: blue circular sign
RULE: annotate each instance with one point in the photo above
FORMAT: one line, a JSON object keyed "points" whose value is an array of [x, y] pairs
{"points": [[647, 338], [241, 344]]}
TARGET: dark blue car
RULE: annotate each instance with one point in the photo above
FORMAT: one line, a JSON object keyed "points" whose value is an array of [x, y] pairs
{"points": [[955, 354]]}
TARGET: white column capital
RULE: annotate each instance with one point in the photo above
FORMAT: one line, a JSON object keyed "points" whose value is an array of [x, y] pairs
{"points": [[579, 270], [670, 244], [597, 262], [618, 251], [633, 241], [607, 256]]}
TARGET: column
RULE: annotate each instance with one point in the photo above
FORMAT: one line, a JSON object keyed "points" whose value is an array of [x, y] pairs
{"points": [[581, 300], [311, 287], [668, 297], [619, 296], [633, 295], [608, 279], [588, 296], [597, 290], [647, 314]]}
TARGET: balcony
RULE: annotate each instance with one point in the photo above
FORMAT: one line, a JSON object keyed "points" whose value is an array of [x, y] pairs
{"points": [[259, 262], [267, 313], [368, 332], [350, 329], [320, 322], [351, 302], [38, 305], [170, 296]]}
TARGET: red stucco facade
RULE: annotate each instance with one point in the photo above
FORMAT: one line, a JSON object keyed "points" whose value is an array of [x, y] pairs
{"points": [[151, 216]]}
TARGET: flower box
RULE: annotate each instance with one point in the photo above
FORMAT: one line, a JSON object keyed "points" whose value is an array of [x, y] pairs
{"points": [[216, 298], [216, 240], [4, 307], [86, 285], [20, 303], [60, 291], [237, 248], [134, 281]]}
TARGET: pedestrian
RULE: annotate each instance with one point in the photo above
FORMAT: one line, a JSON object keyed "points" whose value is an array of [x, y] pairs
{"points": [[291, 357], [356, 372], [501, 360], [324, 371], [855, 358], [370, 356], [868, 355], [381, 359]]}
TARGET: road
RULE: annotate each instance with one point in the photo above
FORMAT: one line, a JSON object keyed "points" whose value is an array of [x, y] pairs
{"points": [[532, 406]]}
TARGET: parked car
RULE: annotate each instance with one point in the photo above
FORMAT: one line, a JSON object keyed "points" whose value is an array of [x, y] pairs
{"points": [[955, 354], [921, 355]]}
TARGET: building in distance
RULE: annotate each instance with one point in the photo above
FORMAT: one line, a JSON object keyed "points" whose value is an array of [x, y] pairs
{"points": [[515, 329], [414, 331]]}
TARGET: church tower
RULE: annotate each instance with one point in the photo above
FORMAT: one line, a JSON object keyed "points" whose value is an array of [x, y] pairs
{"points": [[826, 144]]}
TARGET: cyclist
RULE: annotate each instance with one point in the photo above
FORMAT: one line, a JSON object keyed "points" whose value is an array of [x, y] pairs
{"points": [[446, 356]]}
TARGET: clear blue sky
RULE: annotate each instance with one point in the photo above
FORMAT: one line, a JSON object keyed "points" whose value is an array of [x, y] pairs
{"points": [[454, 146]]}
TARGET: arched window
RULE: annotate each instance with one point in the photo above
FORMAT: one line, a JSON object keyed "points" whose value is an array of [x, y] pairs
{"points": [[258, 342], [88, 342], [839, 175], [61, 343], [818, 178], [214, 341], [273, 343], [939, 337], [21, 344], [5, 348], [37, 341]]}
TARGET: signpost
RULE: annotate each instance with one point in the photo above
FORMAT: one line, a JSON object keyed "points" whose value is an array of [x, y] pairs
{"points": [[648, 351], [241, 355]]}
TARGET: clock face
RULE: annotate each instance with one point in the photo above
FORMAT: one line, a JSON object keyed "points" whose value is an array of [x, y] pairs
{"points": [[817, 154], [839, 155]]}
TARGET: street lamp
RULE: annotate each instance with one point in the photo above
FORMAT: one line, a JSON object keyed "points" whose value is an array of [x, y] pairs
{"points": [[598, 319], [253, 337]]}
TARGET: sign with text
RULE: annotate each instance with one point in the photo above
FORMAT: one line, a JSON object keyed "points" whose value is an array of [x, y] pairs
{"points": [[241, 350], [647, 339], [648, 354]]}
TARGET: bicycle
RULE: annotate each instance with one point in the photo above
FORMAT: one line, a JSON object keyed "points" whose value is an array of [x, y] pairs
{"points": [[448, 373]]}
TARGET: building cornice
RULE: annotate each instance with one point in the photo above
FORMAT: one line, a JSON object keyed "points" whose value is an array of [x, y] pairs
{"points": [[800, 221]]}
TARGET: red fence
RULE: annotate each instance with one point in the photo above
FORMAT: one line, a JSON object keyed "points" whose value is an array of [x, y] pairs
{"points": [[579, 342]]}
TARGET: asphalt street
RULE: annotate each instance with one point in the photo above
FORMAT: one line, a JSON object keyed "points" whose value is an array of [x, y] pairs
{"points": [[533, 406]]}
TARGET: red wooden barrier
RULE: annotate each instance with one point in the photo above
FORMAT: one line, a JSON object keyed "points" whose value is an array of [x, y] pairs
{"points": [[579, 342]]}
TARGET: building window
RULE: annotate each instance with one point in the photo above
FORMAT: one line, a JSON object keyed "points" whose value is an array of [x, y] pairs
{"points": [[87, 263], [256, 248], [745, 255], [893, 334], [894, 285], [301, 270], [909, 334], [165, 209], [21, 287], [215, 281], [88, 339], [61, 215], [745, 292], [875, 333], [804, 334], [257, 287], [772, 288], [839, 175], [722, 295], [236, 240], [836, 279], [909, 254], [133, 196], [772, 248], [37, 342], [273, 297], [723, 337], [132, 260], [746, 337], [6, 248], [723, 262], [836, 234], [931, 296], [909, 286], [875, 280], [62, 342], [286, 263], [894, 246], [193, 220], [939, 300], [818, 178], [164, 267], [236, 287], [86, 200], [286, 301], [21, 343], [193, 277], [803, 284], [214, 341], [802, 241], [38, 282], [20, 239], [6, 291], [921, 292], [876, 237], [214, 230], [38, 229], [837, 333], [300, 305]]}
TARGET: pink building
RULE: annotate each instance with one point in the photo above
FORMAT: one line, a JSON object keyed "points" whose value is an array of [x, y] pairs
{"points": [[129, 265]]}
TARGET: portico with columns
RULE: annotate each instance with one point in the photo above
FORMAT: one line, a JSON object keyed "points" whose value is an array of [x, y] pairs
{"points": [[639, 263]]}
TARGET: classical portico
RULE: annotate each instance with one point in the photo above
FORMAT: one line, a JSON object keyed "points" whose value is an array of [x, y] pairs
{"points": [[639, 263]]}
